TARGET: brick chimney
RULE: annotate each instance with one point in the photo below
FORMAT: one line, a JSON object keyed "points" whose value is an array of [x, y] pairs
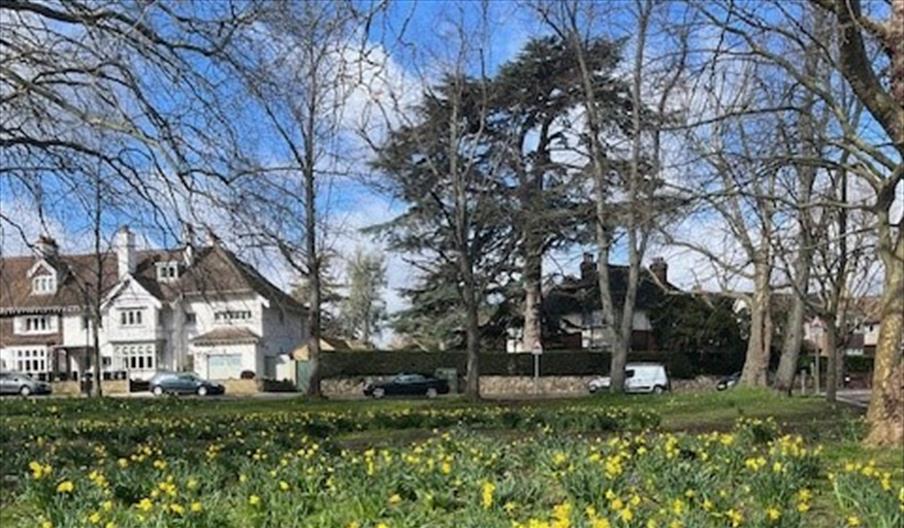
{"points": [[660, 269], [124, 245], [588, 268], [46, 247]]}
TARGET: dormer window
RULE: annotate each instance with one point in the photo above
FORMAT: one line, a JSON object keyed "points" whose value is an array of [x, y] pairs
{"points": [[43, 285], [167, 271]]}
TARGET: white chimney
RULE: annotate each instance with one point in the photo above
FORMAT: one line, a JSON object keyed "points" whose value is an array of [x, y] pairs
{"points": [[124, 245]]}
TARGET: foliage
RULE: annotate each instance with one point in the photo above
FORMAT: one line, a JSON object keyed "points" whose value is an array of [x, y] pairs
{"points": [[706, 332], [76, 464], [363, 309], [866, 495]]}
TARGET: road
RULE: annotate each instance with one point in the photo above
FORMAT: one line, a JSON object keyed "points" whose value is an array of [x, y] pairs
{"points": [[855, 397]]}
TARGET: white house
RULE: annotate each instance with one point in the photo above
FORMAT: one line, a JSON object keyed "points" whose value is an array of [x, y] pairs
{"points": [[191, 308]]}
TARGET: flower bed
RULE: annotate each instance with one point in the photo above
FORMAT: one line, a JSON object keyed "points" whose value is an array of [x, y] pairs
{"points": [[481, 466]]}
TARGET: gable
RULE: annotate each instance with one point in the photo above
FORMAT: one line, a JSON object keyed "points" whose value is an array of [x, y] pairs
{"points": [[41, 267], [130, 292]]}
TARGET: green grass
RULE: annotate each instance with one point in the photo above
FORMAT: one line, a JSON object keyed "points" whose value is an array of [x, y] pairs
{"points": [[836, 427]]}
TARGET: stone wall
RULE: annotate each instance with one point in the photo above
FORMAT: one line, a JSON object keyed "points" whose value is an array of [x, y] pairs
{"points": [[698, 384], [66, 388], [115, 386], [73, 388], [502, 386], [241, 387], [517, 386]]}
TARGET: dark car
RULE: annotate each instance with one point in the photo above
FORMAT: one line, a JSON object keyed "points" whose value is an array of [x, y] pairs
{"points": [[20, 383], [408, 385], [183, 383], [728, 381]]}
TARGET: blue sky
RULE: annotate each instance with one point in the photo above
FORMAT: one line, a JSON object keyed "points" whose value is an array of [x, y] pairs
{"points": [[429, 34]]}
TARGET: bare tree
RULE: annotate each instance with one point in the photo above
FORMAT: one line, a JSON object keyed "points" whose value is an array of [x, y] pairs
{"points": [[624, 183], [867, 50], [72, 95], [295, 68]]}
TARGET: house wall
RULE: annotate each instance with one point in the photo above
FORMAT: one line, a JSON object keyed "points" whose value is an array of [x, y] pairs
{"points": [[14, 344], [205, 310], [165, 326], [134, 297]]}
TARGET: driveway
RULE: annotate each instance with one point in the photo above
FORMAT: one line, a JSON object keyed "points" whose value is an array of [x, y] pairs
{"points": [[855, 397]]}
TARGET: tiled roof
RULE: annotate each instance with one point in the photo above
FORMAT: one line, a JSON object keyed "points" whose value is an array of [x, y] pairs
{"points": [[213, 273], [229, 334], [578, 295]]}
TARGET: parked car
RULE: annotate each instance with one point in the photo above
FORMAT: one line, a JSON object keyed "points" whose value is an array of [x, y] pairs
{"points": [[728, 381], [21, 383], [183, 383], [408, 384], [639, 378]]}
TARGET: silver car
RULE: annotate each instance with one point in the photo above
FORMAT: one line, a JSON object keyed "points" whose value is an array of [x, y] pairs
{"points": [[23, 384]]}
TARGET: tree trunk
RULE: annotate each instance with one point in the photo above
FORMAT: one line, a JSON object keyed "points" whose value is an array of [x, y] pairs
{"points": [[472, 385], [792, 342], [96, 389], [886, 408], [313, 259], [611, 327], [794, 325], [532, 211], [832, 365], [533, 299], [756, 362]]}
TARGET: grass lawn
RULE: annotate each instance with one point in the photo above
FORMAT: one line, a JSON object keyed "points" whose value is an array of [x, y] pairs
{"points": [[675, 460]]}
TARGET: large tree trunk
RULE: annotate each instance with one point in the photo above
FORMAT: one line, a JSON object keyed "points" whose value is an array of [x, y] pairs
{"points": [[791, 344], [533, 239], [532, 272], [533, 299], [886, 409], [756, 362]]}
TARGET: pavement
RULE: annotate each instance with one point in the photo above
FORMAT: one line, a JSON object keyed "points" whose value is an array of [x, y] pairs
{"points": [[856, 397]]}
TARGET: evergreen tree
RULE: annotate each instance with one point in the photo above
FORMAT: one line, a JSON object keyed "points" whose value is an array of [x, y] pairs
{"points": [[363, 310], [442, 165]]}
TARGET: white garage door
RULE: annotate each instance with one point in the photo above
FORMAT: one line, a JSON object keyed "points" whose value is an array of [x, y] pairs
{"points": [[224, 366]]}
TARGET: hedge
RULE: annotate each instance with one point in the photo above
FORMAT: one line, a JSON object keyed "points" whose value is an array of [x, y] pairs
{"points": [[335, 364]]}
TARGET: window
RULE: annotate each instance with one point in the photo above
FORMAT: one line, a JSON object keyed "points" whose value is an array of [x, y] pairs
{"points": [[43, 284], [137, 357], [130, 317], [37, 324], [232, 315], [167, 271], [191, 318], [35, 361]]}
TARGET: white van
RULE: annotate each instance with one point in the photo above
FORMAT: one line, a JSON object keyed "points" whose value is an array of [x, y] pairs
{"points": [[639, 378]]}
